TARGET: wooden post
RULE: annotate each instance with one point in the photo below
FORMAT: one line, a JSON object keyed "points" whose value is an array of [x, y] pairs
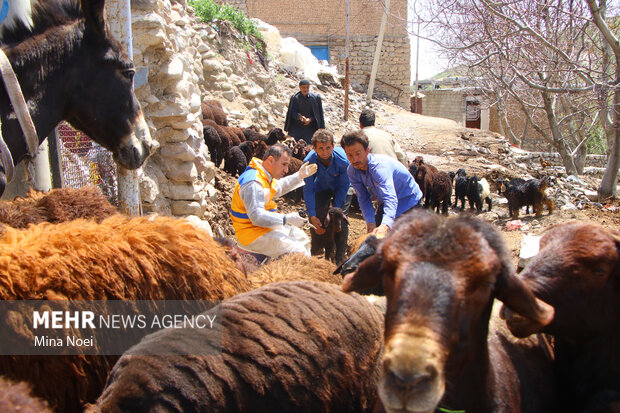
{"points": [[346, 70], [375, 62]]}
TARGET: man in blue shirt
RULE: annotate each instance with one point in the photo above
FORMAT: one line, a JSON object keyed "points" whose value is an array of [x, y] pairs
{"points": [[381, 177], [330, 182]]}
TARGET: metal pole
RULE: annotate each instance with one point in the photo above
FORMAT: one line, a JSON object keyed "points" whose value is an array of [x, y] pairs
{"points": [[54, 155], [417, 60], [375, 62], [118, 21], [346, 70]]}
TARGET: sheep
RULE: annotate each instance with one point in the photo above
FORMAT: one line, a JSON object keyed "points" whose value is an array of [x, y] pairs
{"points": [[57, 205], [424, 179], [478, 191], [460, 187], [244, 260], [332, 222], [238, 132], [235, 162], [252, 133], [121, 258], [260, 148], [297, 194], [577, 271], [441, 276], [363, 248], [274, 136], [214, 144], [294, 267], [532, 192], [213, 110], [16, 398], [301, 149], [287, 347], [441, 192], [248, 148]]}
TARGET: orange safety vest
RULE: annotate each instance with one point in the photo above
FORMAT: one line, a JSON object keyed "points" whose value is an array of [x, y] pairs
{"points": [[245, 231]]}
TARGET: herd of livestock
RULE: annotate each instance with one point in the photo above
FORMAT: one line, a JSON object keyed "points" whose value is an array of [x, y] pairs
{"points": [[296, 338]]}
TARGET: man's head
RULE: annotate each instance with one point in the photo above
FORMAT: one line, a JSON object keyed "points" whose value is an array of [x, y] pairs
{"points": [[367, 118], [323, 143], [304, 86], [276, 160], [355, 145]]}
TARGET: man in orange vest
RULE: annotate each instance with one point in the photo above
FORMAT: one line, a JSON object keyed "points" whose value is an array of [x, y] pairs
{"points": [[258, 227]]}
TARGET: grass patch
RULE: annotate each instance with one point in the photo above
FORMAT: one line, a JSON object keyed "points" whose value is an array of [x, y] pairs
{"points": [[209, 11]]}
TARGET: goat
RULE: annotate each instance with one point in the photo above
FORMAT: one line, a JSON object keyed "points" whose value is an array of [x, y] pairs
{"points": [[441, 193], [460, 187], [235, 162], [424, 179], [332, 222], [478, 191], [441, 276], [577, 271], [531, 192]]}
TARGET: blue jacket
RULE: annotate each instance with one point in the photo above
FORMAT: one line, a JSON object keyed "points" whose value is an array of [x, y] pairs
{"points": [[388, 181], [333, 178]]}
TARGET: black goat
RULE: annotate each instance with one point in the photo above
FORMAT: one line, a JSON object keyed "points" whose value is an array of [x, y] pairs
{"points": [[332, 223]]}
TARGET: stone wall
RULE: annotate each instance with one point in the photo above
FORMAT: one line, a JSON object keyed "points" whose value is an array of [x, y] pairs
{"points": [[444, 103], [183, 62]]}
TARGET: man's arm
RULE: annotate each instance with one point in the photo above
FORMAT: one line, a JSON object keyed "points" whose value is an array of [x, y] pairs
{"points": [[363, 198], [309, 191], [287, 184], [382, 175], [253, 198]]}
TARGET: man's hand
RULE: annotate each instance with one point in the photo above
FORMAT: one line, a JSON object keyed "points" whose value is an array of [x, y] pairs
{"points": [[317, 225], [307, 169], [370, 227], [294, 219], [381, 230]]}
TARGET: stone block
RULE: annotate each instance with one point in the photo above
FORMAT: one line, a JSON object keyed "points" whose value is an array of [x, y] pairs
{"points": [[181, 208]]}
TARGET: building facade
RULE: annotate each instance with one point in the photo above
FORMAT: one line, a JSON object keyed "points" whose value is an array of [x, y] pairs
{"points": [[321, 25]]}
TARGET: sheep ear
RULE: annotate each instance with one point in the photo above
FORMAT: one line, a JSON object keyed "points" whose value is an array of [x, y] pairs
{"points": [[367, 275], [519, 299]]}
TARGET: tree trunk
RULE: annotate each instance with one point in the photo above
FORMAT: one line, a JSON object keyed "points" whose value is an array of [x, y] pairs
{"points": [[608, 185], [558, 142]]}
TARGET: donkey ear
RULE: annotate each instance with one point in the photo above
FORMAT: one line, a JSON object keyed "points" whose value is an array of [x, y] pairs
{"points": [[519, 299], [94, 15], [367, 275]]}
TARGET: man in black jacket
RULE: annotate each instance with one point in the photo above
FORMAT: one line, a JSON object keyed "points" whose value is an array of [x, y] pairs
{"points": [[305, 113]]}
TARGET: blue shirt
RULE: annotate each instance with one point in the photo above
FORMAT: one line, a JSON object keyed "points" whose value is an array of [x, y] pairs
{"points": [[333, 178], [390, 182]]}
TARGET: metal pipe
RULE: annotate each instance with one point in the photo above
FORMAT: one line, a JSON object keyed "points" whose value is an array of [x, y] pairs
{"points": [[118, 22], [417, 60]]}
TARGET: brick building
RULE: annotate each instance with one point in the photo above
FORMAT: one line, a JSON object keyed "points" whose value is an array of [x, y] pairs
{"points": [[321, 25]]}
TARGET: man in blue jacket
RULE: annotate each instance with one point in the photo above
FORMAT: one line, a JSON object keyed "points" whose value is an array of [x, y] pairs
{"points": [[381, 177], [305, 113], [330, 184]]}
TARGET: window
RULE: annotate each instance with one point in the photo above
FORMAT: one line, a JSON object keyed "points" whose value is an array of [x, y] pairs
{"points": [[320, 52]]}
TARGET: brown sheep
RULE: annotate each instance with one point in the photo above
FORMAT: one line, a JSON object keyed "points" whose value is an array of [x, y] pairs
{"points": [[286, 347], [424, 178], [238, 132], [294, 267], [441, 192], [213, 110], [577, 271], [57, 205], [16, 398], [441, 276], [120, 259]]}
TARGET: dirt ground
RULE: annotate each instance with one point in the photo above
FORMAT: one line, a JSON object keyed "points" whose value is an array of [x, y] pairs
{"points": [[445, 145]]}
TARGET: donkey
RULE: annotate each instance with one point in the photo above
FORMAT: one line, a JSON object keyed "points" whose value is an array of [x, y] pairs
{"points": [[69, 69]]}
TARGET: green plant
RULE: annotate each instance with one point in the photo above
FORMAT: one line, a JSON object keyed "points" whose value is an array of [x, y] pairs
{"points": [[209, 11]]}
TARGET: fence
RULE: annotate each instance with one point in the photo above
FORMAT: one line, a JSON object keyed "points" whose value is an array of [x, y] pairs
{"points": [[83, 162]]}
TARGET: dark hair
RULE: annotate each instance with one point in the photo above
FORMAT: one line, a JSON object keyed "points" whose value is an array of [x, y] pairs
{"points": [[276, 151], [322, 136], [367, 117], [304, 82], [351, 138]]}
